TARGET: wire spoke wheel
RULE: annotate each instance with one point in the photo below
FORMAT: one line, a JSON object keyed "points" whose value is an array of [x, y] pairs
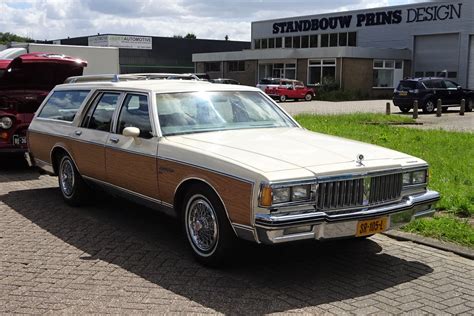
{"points": [[66, 177], [201, 224]]}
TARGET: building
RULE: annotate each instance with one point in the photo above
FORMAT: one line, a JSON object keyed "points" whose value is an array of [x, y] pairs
{"points": [[139, 54], [365, 50]]}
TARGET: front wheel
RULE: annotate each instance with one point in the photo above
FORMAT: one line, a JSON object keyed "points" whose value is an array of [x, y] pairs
{"points": [[308, 97], [282, 98], [206, 226], [429, 107], [73, 188]]}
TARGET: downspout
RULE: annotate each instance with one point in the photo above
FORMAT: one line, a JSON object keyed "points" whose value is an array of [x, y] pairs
{"points": [[340, 75]]}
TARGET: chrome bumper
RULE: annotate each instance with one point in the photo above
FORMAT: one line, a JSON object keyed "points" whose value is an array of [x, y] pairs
{"points": [[274, 228]]}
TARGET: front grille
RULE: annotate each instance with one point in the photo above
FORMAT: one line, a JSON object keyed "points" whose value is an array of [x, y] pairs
{"points": [[385, 188], [360, 192]]}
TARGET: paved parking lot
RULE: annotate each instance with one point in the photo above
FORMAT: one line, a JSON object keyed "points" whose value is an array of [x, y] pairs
{"points": [[116, 257], [451, 120]]}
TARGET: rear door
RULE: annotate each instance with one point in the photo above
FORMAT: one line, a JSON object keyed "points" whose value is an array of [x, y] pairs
{"points": [[90, 138], [131, 162]]}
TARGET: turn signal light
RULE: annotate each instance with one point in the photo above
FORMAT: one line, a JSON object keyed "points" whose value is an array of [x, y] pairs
{"points": [[266, 197], [4, 135]]}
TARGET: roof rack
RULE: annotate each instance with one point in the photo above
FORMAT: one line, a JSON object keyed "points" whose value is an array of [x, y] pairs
{"points": [[129, 77]]}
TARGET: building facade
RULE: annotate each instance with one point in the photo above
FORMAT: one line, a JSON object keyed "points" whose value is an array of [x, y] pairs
{"points": [[146, 54], [366, 50]]}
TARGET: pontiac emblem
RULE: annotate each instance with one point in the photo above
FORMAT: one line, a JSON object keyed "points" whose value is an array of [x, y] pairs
{"points": [[360, 157]]}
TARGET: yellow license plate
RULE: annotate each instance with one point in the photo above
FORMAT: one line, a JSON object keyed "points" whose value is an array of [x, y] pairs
{"points": [[371, 226], [403, 93]]}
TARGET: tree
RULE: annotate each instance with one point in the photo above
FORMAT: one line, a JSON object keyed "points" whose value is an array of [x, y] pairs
{"points": [[190, 36], [10, 37]]}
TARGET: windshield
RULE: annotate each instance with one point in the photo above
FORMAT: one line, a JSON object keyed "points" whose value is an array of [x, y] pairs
{"points": [[194, 112]]}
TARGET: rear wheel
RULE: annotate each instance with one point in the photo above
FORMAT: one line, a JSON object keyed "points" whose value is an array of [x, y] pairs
{"points": [[429, 107], [404, 109], [73, 188], [282, 98], [207, 229], [469, 105], [308, 97]]}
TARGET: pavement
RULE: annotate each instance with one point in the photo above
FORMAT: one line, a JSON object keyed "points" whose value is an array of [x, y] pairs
{"points": [[117, 257], [451, 120]]}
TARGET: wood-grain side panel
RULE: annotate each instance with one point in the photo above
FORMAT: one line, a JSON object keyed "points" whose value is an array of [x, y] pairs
{"points": [[236, 194], [89, 158], [132, 171]]}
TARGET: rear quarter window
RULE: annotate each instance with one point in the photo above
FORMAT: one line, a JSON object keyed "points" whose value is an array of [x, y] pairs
{"points": [[63, 105], [407, 85]]}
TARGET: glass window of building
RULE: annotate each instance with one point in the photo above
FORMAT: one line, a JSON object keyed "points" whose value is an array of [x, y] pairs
{"points": [[386, 74], [212, 66], [271, 43], [290, 71], [264, 43], [238, 65], [342, 39], [278, 42], [257, 44], [304, 41], [313, 40], [296, 41], [352, 39], [321, 71], [324, 40], [333, 40], [288, 42]]}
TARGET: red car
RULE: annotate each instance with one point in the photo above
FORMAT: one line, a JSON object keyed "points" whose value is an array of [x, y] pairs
{"points": [[25, 81], [290, 89]]}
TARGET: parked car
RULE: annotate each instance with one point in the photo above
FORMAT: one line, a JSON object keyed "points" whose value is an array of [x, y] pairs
{"points": [[427, 91], [290, 89], [24, 83], [225, 81], [224, 159], [268, 82]]}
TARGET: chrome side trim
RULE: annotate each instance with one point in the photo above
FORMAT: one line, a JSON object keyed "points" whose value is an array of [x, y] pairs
{"points": [[207, 169], [130, 151], [135, 196], [271, 221]]}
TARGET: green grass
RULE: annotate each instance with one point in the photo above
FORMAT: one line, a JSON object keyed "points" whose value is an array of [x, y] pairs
{"points": [[444, 228], [450, 154]]}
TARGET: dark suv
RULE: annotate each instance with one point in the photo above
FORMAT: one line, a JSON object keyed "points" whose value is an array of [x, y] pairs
{"points": [[427, 91]]}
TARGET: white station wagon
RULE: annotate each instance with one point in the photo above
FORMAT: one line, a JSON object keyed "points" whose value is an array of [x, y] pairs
{"points": [[226, 160]]}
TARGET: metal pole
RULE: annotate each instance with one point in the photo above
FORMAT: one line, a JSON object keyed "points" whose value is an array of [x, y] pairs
{"points": [[415, 109], [463, 107], [438, 108], [387, 108]]}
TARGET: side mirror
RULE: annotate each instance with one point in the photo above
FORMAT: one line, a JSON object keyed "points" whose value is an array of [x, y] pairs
{"points": [[131, 132]]}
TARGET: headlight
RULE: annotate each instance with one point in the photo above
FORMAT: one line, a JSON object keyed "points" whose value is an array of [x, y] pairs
{"points": [[6, 122], [270, 195], [415, 177]]}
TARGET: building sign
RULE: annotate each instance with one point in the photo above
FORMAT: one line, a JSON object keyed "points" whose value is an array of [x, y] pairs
{"points": [[409, 15], [121, 41]]}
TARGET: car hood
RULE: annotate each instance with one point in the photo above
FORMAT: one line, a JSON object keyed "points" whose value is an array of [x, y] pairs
{"points": [[277, 149]]}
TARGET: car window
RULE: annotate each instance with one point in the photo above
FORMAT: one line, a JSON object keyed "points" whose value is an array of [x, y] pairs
{"points": [[135, 113], [194, 112], [449, 84], [63, 105], [100, 116], [407, 85], [436, 84]]}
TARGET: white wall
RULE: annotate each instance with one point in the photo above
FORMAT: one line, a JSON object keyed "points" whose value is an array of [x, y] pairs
{"points": [[100, 60]]}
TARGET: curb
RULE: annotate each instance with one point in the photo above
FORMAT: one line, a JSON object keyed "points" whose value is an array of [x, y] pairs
{"points": [[435, 243]]}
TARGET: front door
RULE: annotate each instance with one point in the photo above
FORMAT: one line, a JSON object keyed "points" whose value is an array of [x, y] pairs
{"points": [[454, 95], [131, 162]]}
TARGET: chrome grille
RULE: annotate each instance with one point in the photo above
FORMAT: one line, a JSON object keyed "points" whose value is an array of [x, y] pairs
{"points": [[360, 192], [385, 188]]}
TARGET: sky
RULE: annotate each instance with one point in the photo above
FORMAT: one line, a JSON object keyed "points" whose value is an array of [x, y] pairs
{"points": [[209, 19]]}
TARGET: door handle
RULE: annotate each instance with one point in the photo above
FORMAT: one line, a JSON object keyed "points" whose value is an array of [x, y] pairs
{"points": [[78, 133], [114, 140]]}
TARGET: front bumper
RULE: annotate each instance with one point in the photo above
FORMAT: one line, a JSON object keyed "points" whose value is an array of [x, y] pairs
{"points": [[276, 228]]}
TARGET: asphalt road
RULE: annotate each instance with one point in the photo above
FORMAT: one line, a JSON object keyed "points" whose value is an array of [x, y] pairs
{"points": [[117, 257], [451, 120]]}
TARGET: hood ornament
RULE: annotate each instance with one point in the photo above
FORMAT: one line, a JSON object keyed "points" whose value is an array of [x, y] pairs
{"points": [[359, 159]]}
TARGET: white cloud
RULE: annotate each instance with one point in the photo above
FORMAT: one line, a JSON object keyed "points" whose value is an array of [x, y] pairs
{"points": [[52, 19]]}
